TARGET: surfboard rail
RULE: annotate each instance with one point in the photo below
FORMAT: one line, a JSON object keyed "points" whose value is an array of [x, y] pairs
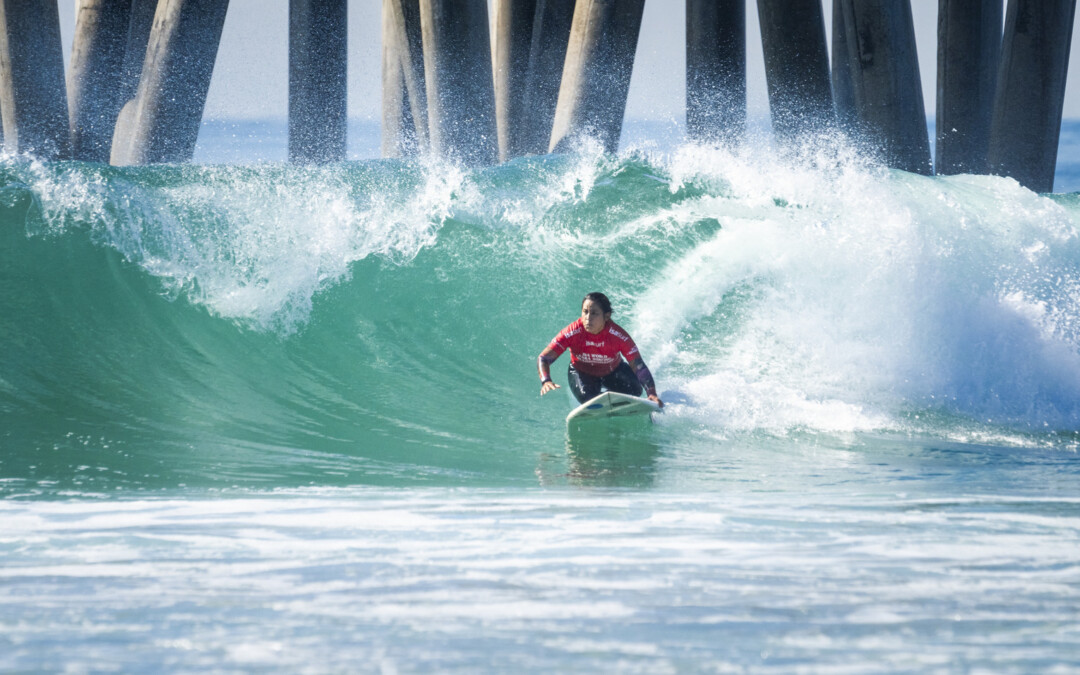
{"points": [[612, 404]]}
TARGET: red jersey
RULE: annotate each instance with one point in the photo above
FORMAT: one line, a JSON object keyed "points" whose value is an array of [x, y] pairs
{"points": [[598, 354]]}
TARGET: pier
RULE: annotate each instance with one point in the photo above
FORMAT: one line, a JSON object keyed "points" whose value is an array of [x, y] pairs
{"points": [[485, 81]]}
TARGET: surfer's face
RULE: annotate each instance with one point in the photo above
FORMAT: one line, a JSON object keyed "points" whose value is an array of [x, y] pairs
{"points": [[592, 315]]}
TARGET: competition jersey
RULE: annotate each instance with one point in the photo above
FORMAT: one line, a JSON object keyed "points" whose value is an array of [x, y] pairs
{"points": [[598, 354]]}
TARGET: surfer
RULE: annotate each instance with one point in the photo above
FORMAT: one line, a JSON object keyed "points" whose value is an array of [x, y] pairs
{"points": [[595, 343]]}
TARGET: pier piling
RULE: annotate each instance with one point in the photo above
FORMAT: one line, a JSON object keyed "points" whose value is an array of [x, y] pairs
{"points": [[513, 40], [161, 124], [716, 70], [458, 75], [1030, 93], [796, 67], [969, 47], [94, 79], [138, 36], [842, 78], [547, 55], [596, 75], [404, 112], [530, 50], [33, 98], [886, 89], [318, 56], [552, 72]]}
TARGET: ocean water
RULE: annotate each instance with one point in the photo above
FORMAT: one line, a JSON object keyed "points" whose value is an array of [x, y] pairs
{"points": [[260, 417]]}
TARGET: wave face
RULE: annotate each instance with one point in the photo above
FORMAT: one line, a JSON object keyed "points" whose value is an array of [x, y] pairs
{"points": [[377, 322]]}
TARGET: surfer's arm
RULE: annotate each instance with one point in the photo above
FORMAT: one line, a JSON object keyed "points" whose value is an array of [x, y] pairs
{"points": [[543, 364], [646, 379]]}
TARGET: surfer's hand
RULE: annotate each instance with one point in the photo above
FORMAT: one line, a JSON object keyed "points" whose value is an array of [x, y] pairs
{"points": [[656, 399], [548, 386]]}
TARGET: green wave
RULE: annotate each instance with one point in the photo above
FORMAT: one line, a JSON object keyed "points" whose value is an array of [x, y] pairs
{"points": [[377, 322], [158, 332]]}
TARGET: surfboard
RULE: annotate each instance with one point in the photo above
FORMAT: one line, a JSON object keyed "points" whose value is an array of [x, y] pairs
{"points": [[612, 404]]}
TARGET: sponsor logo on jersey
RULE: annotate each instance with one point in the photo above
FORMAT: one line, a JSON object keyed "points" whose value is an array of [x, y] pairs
{"points": [[590, 343], [595, 358]]}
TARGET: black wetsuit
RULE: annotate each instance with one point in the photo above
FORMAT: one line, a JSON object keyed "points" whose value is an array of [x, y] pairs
{"points": [[585, 386]]}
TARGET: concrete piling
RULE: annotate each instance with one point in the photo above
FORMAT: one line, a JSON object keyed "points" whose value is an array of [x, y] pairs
{"points": [[842, 78], [33, 98], [1030, 93], [886, 90], [318, 54], [458, 75], [405, 125], [715, 70], [161, 124], [530, 50], [596, 76], [796, 67], [556, 70], [969, 47], [138, 36], [513, 40], [398, 128], [547, 55], [97, 60]]}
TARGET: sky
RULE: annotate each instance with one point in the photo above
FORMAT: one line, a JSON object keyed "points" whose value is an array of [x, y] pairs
{"points": [[251, 73]]}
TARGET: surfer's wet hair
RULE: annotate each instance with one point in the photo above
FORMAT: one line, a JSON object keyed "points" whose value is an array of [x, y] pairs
{"points": [[600, 299]]}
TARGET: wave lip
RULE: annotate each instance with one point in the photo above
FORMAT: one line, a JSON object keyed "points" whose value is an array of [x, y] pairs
{"points": [[865, 294], [285, 311]]}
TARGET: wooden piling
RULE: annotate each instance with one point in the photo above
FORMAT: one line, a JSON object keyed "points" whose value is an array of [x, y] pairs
{"points": [[969, 48], [596, 76], [1030, 94], [318, 56], [33, 98], [457, 72], [796, 67], [715, 70], [97, 60], [405, 125], [162, 123], [884, 67]]}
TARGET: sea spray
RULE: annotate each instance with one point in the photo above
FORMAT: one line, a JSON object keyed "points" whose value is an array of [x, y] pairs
{"points": [[347, 460], [850, 297], [249, 244], [345, 323]]}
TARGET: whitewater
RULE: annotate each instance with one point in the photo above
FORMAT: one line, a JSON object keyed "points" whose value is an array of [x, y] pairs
{"points": [[282, 418]]}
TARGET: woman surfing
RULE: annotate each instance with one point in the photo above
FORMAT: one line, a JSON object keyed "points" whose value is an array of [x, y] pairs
{"points": [[595, 343]]}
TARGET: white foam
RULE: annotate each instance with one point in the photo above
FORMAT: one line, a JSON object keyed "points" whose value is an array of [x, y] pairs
{"points": [[254, 245], [853, 295]]}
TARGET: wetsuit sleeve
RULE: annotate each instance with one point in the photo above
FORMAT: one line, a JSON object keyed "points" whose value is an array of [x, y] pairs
{"points": [[543, 364], [633, 356], [644, 376], [555, 348]]}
